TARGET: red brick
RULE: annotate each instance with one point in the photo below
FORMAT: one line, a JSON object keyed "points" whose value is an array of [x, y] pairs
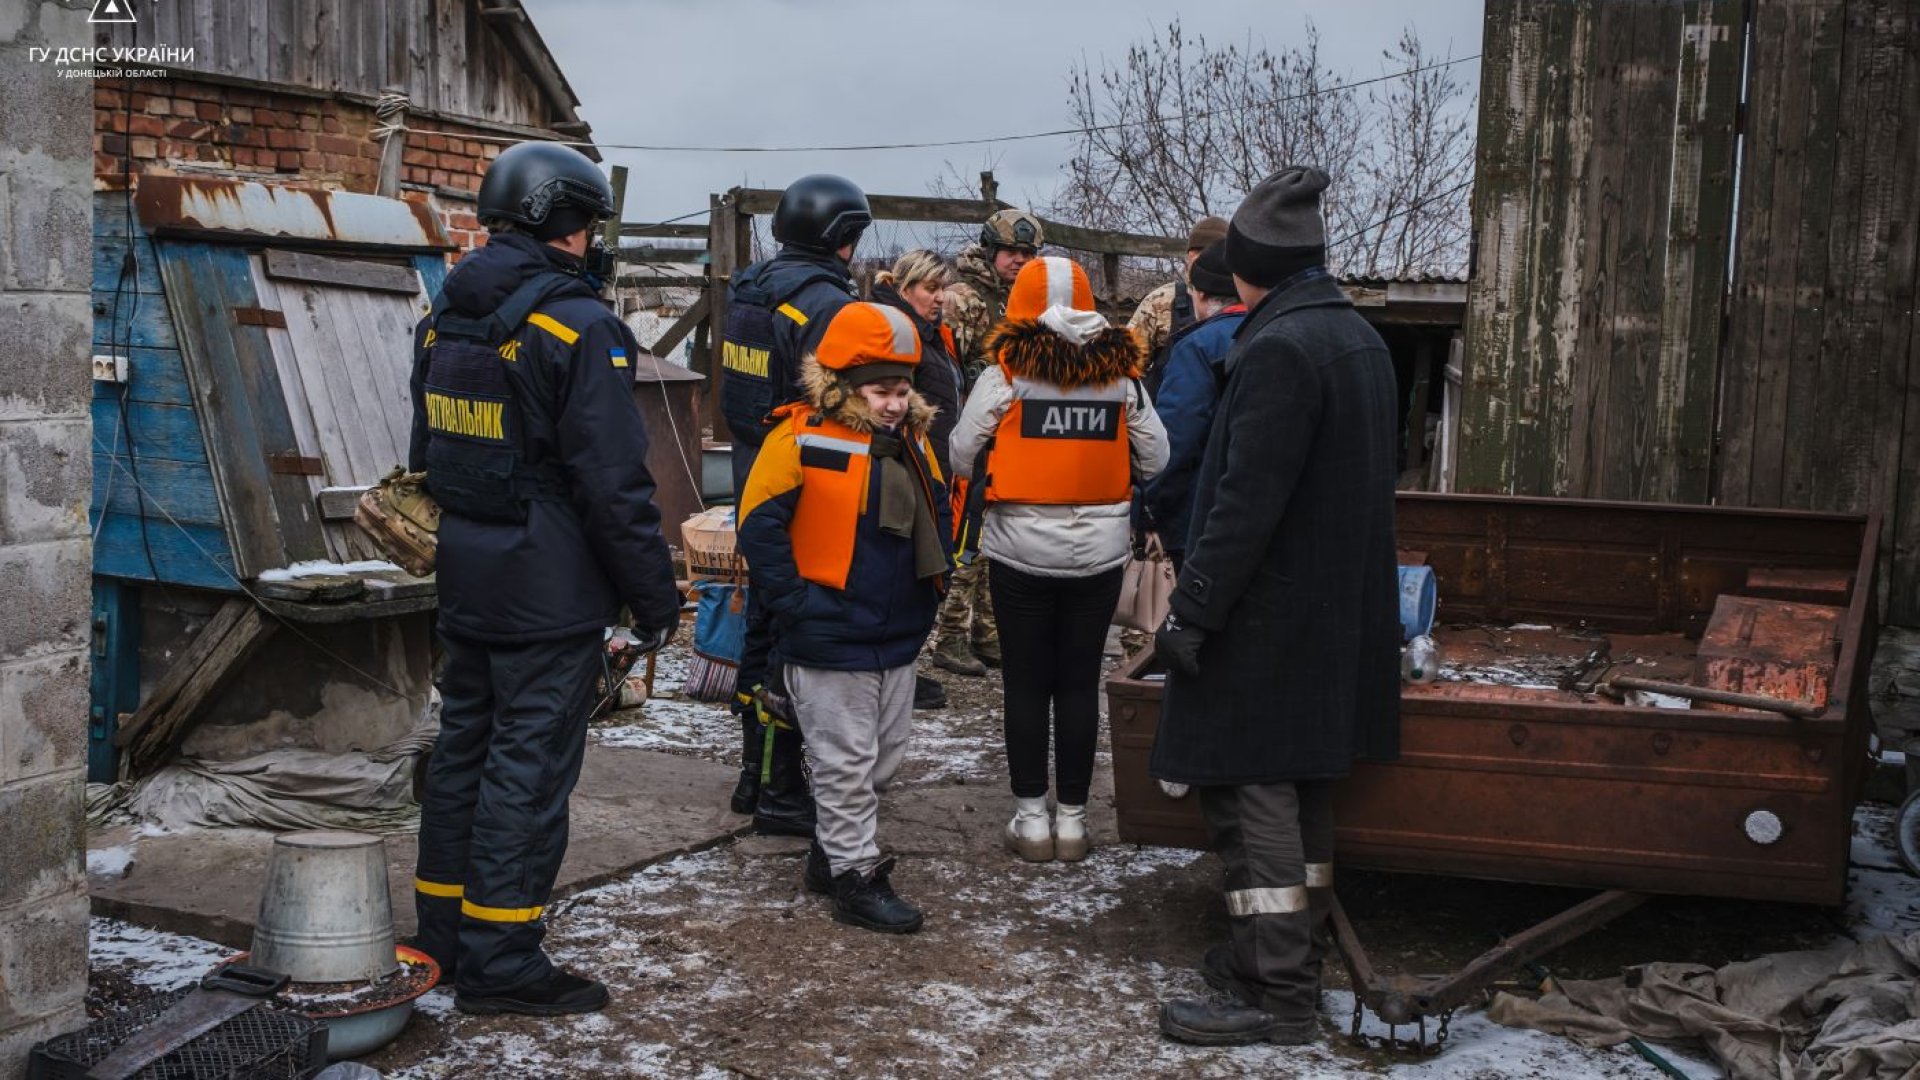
{"points": [[207, 110], [433, 141], [147, 124], [309, 122], [289, 161], [441, 178], [288, 139], [158, 106], [240, 115], [270, 117], [416, 156], [188, 89], [207, 152], [332, 125], [145, 147], [337, 144]]}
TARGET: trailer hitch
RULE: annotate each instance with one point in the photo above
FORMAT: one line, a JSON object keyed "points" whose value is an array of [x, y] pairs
{"points": [[1403, 1000]]}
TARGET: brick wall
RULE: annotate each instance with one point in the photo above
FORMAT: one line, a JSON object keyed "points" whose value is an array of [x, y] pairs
{"points": [[181, 126], [46, 218]]}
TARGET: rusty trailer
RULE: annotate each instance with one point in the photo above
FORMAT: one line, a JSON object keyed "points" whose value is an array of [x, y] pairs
{"points": [[1542, 777]]}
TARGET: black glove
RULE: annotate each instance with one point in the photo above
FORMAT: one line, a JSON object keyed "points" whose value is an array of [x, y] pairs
{"points": [[1178, 646], [646, 641]]}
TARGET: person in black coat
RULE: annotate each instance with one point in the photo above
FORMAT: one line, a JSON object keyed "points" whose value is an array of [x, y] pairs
{"points": [[1282, 644], [917, 285]]}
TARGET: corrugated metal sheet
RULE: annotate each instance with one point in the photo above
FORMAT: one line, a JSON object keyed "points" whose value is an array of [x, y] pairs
{"points": [[219, 208]]}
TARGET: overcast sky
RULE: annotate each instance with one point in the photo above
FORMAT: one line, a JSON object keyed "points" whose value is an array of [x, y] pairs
{"points": [[810, 72]]}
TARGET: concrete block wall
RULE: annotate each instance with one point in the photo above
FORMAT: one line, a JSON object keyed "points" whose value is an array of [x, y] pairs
{"points": [[184, 126], [46, 216]]}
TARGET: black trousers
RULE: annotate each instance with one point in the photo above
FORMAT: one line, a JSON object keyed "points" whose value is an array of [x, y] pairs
{"points": [[1052, 633], [493, 820], [1277, 843]]}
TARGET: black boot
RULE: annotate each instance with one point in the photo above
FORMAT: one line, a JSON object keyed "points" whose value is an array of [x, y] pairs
{"points": [[746, 790], [1227, 1021], [786, 799], [560, 993], [869, 902], [1216, 967], [928, 694], [819, 872]]}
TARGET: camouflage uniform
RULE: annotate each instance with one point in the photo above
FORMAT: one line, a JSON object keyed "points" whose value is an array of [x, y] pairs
{"points": [[1152, 321], [975, 302]]}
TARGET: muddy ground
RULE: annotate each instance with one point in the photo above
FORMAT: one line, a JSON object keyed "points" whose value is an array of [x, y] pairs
{"points": [[722, 966]]}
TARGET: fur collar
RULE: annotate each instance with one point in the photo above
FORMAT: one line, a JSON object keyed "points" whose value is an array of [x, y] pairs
{"points": [[835, 398], [1030, 350]]}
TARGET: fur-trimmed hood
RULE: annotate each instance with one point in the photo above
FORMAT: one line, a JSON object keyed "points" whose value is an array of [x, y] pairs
{"points": [[1030, 350], [834, 397]]}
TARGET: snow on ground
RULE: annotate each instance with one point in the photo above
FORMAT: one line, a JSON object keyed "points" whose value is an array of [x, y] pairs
{"points": [[112, 862], [319, 568], [153, 959]]}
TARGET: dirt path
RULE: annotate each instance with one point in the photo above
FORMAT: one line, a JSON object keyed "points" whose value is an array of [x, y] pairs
{"points": [[722, 966]]}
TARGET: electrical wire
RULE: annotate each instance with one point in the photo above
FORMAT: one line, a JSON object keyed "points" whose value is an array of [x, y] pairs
{"points": [[1421, 205], [988, 141]]}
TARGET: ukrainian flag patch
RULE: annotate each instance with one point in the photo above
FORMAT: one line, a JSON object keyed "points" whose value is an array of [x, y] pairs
{"points": [[619, 357]]}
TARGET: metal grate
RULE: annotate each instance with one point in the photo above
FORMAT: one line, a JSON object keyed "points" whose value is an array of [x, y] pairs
{"points": [[262, 1043]]}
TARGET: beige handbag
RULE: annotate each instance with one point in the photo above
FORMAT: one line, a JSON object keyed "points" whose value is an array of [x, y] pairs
{"points": [[1146, 589]]}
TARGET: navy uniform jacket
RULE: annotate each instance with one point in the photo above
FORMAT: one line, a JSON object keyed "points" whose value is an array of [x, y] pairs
{"points": [[803, 289], [573, 563]]}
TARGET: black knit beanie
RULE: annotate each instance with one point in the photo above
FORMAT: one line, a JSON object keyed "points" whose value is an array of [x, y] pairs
{"points": [[1278, 229], [1210, 273]]}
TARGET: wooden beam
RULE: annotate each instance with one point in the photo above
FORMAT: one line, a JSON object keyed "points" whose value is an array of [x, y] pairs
{"points": [[681, 328], [647, 253], [661, 281], [974, 211], [337, 503], [610, 232], [217, 653], [676, 230], [351, 273]]}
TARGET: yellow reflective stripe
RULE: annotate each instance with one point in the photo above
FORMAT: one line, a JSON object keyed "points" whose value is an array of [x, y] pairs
{"points": [[793, 313], [434, 888], [552, 326], [499, 914]]}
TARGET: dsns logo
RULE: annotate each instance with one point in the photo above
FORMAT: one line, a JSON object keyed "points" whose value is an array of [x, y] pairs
{"points": [[112, 11]]}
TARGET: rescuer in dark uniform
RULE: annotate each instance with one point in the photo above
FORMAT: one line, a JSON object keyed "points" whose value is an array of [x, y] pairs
{"points": [[524, 420], [776, 310]]}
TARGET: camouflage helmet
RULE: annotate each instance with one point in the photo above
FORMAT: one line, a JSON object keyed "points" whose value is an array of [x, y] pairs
{"points": [[1012, 229]]}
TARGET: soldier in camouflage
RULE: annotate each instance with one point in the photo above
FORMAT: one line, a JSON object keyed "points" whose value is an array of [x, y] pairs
{"points": [[968, 642], [1168, 308]]}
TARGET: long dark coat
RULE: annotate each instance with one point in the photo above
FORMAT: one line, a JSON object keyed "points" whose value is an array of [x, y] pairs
{"points": [[1290, 565]]}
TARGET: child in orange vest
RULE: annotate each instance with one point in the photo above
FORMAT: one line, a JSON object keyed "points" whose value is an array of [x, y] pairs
{"points": [[844, 525]]}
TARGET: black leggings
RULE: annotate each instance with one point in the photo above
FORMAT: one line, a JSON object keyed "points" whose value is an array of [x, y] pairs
{"points": [[1052, 633]]}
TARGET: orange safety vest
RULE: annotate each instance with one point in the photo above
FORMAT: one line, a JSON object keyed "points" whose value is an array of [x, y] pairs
{"points": [[1062, 447], [835, 462]]}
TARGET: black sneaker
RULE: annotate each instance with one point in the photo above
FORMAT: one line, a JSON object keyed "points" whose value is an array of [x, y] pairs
{"points": [[869, 902], [819, 872], [1227, 1021], [559, 994], [928, 694]]}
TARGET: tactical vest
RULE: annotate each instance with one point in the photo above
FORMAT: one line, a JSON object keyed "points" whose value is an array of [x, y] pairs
{"points": [[1062, 447], [756, 380], [476, 437]]}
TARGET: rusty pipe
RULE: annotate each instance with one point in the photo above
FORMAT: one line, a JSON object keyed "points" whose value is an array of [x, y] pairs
{"points": [[1796, 709]]}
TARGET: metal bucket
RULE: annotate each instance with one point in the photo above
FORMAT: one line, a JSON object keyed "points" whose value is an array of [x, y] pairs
{"points": [[325, 914]]}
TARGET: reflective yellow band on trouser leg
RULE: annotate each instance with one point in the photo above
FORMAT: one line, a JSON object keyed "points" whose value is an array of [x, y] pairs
{"points": [[1269, 901], [1319, 875], [435, 888], [499, 914]]}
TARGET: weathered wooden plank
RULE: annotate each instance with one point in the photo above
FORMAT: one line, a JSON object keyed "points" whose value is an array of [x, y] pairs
{"points": [[338, 503], [167, 689], [1608, 231], [975, 211], [681, 328], [1900, 352], [142, 278], [349, 273], [179, 491], [153, 744], [159, 432], [196, 556], [142, 322]]}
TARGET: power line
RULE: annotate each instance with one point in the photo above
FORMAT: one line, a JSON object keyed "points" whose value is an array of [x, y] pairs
{"points": [[1422, 204], [942, 143]]}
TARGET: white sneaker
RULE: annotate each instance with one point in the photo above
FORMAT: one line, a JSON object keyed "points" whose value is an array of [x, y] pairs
{"points": [[1028, 835], [1070, 833]]}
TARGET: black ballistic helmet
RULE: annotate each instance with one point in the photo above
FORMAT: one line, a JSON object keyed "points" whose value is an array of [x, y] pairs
{"points": [[821, 212], [529, 181]]}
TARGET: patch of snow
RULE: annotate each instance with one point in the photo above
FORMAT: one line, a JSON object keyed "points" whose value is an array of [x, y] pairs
{"points": [[113, 862], [322, 568], [690, 728], [151, 958], [1530, 626]]}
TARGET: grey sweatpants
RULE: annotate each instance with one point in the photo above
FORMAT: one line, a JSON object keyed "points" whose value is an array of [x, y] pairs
{"points": [[856, 725], [1277, 843]]}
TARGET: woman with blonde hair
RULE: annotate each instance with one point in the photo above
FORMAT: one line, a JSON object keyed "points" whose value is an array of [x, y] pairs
{"points": [[917, 285]]}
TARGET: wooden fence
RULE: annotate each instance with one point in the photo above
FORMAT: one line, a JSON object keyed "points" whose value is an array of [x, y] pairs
{"points": [[729, 236], [1646, 323]]}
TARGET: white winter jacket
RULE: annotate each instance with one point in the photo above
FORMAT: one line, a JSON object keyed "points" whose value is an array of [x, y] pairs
{"points": [[1055, 541]]}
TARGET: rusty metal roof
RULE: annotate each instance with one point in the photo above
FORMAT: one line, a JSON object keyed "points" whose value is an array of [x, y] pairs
{"points": [[296, 212]]}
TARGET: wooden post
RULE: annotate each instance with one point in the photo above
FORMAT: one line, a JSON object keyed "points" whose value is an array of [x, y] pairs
{"points": [[989, 188], [1424, 363], [393, 152], [1110, 270], [610, 233], [722, 250]]}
